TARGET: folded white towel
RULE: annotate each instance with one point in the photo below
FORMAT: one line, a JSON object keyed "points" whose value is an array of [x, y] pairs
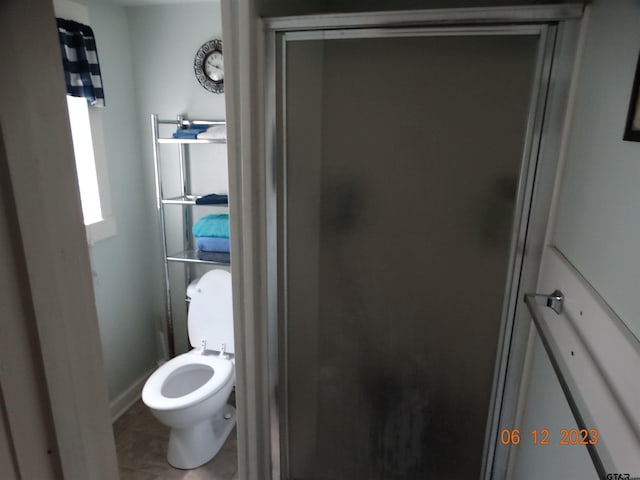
{"points": [[216, 132]]}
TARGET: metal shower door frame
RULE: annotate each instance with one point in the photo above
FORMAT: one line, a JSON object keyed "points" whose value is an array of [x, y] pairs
{"points": [[556, 27]]}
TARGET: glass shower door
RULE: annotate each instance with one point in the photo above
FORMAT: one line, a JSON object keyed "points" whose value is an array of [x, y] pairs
{"points": [[397, 180]]}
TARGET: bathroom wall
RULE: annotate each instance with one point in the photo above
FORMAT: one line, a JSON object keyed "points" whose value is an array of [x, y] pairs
{"points": [[126, 277], [596, 226], [146, 55], [547, 407], [164, 41], [127, 290]]}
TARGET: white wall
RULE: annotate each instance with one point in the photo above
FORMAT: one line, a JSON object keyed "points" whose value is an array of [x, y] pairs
{"points": [[597, 226], [125, 267], [128, 297], [164, 41], [547, 408], [146, 55]]}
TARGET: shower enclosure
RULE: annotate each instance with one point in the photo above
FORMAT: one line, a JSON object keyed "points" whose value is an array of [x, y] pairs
{"points": [[398, 200]]}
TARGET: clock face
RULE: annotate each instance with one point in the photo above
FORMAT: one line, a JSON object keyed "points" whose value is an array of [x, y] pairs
{"points": [[213, 66], [208, 66]]}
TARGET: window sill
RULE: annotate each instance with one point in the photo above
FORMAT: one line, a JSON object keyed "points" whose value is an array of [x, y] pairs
{"points": [[101, 230]]}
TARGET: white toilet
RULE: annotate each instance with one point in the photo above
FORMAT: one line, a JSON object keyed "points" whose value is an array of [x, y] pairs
{"points": [[189, 393]]}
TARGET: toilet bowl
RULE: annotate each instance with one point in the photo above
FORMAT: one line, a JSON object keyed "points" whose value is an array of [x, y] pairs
{"points": [[189, 393]]}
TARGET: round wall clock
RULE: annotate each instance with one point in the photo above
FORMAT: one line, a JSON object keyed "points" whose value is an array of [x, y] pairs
{"points": [[208, 66]]}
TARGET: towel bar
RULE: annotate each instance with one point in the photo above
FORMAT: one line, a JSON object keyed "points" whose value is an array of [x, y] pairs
{"points": [[576, 403]]}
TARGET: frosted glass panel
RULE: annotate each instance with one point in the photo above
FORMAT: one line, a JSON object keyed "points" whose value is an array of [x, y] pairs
{"points": [[397, 204]]}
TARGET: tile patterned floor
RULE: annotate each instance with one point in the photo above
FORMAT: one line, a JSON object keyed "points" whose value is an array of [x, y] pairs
{"points": [[141, 445]]}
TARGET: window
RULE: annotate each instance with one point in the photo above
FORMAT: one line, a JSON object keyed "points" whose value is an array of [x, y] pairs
{"points": [[92, 180], [85, 159]]}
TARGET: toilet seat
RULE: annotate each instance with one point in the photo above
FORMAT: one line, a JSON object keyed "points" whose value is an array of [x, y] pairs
{"points": [[152, 394]]}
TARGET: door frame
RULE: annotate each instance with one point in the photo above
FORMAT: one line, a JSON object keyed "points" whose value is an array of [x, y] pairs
{"points": [[54, 393], [251, 107], [276, 188]]}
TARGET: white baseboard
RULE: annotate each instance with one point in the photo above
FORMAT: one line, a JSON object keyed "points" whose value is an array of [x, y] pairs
{"points": [[131, 395]]}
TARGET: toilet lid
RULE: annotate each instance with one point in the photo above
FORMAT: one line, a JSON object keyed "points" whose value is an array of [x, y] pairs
{"points": [[210, 315]]}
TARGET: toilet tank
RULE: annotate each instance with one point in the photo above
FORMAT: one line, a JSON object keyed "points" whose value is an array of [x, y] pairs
{"points": [[210, 316]]}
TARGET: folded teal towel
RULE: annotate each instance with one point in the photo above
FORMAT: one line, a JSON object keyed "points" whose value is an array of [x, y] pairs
{"points": [[216, 225]]}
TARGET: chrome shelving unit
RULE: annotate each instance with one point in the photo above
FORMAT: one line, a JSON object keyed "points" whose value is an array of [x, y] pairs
{"points": [[185, 200]]}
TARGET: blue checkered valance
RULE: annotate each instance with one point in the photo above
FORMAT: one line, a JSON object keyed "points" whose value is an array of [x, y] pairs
{"points": [[80, 61]]}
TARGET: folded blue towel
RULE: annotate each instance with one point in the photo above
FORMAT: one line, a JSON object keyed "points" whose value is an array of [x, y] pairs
{"points": [[191, 132], [219, 257], [213, 244], [199, 126], [216, 225], [212, 199]]}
